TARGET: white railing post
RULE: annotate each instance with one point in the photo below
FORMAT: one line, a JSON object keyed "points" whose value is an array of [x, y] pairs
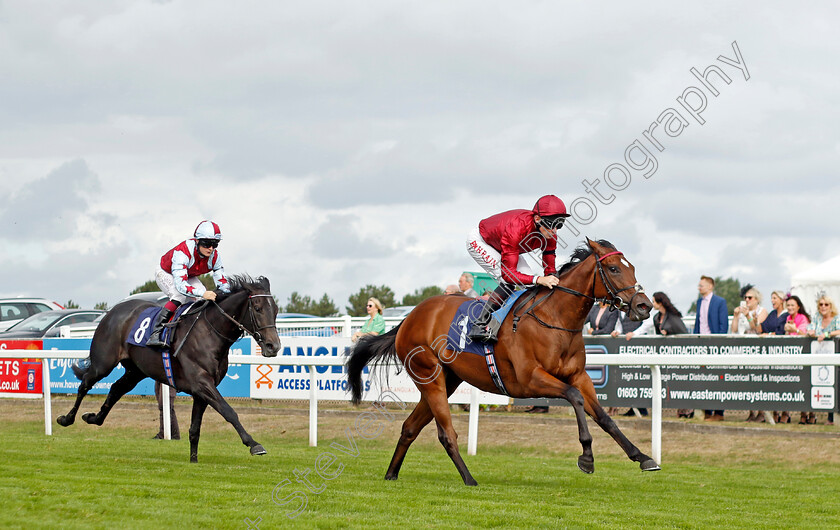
{"points": [[472, 435], [347, 326], [656, 411], [164, 399], [313, 407], [45, 383]]}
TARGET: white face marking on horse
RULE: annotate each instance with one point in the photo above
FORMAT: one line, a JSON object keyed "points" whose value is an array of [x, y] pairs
{"points": [[625, 262]]}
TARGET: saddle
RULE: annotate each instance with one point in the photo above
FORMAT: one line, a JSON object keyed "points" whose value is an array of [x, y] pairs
{"points": [[142, 327]]}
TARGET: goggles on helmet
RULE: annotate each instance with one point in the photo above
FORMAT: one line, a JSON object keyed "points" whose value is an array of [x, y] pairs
{"points": [[208, 243], [553, 222]]}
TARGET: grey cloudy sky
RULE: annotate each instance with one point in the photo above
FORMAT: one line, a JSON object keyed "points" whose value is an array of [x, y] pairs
{"points": [[339, 144]]}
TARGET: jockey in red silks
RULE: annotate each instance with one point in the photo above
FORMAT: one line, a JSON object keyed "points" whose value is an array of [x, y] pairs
{"points": [[497, 246], [179, 270]]}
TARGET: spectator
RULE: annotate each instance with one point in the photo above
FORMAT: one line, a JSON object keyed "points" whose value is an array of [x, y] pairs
{"points": [[824, 327], [173, 421], [601, 320], [375, 324], [746, 320], [797, 319], [465, 283], [669, 319], [797, 324], [774, 324], [452, 289], [711, 318]]}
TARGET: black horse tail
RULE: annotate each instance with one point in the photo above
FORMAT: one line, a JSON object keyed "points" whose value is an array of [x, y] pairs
{"points": [[370, 348], [81, 368]]}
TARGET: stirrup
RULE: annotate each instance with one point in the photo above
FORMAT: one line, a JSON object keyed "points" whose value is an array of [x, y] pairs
{"points": [[485, 332]]}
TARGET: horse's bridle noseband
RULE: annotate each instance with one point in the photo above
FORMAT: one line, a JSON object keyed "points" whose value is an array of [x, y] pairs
{"points": [[614, 300], [256, 333]]}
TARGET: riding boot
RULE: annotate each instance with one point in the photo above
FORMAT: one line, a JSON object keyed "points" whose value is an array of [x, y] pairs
{"points": [[486, 328], [156, 339]]}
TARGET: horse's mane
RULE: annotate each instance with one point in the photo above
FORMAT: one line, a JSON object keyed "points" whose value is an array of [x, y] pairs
{"points": [[244, 282], [581, 253]]}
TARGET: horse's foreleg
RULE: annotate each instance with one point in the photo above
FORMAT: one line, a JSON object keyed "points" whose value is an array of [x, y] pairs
{"points": [[120, 387], [211, 395], [199, 406], [544, 384], [594, 409]]}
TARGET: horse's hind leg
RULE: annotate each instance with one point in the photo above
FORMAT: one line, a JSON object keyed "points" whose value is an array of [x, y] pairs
{"points": [[594, 409], [209, 393], [88, 377], [199, 406], [416, 421], [120, 387]]}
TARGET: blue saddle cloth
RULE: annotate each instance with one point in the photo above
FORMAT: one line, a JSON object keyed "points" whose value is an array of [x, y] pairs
{"points": [[142, 328], [456, 337]]}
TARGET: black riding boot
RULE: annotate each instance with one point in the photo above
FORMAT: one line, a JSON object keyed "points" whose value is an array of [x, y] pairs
{"points": [[486, 328], [155, 340]]}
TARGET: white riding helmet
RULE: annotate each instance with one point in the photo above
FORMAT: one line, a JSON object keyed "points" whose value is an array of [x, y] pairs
{"points": [[208, 230]]}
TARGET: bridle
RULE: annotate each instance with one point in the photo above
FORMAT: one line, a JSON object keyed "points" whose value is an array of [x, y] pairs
{"points": [[615, 301], [612, 298], [256, 333]]}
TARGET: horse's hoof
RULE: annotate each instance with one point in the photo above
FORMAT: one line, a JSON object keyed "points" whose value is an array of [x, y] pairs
{"points": [[90, 417], [649, 465], [391, 477], [193, 459], [258, 450], [586, 465], [470, 482], [64, 421]]}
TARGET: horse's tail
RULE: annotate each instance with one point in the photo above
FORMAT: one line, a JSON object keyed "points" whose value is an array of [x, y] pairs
{"points": [[376, 348], [81, 368]]}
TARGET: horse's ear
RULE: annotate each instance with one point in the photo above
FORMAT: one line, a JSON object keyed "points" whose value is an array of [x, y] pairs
{"points": [[597, 247], [265, 283]]}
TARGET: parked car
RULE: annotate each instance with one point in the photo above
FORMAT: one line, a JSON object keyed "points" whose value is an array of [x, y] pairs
{"points": [[13, 310], [326, 331], [46, 324], [398, 311], [156, 297]]}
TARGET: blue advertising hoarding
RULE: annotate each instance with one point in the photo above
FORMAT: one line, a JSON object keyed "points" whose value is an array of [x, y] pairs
{"points": [[237, 382]]}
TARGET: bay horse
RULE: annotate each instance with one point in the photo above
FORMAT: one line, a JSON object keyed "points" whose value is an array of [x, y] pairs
{"points": [[204, 338], [544, 356]]}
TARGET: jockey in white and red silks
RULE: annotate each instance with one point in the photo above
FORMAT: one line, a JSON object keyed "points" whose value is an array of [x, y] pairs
{"points": [[179, 270], [498, 245]]}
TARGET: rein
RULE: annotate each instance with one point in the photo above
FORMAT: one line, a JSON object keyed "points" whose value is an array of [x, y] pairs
{"points": [[256, 334], [613, 292]]}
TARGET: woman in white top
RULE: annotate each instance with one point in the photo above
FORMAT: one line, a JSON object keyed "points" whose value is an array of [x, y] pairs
{"points": [[749, 315]]}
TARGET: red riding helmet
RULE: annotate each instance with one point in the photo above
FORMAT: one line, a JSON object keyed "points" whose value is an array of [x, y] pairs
{"points": [[550, 206]]}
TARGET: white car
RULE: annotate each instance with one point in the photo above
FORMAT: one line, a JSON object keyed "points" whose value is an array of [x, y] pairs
{"points": [[398, 311], [13, 310]]}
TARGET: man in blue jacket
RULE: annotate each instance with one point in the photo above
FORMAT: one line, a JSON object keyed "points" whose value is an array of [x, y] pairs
{"points": [[712, 317]]}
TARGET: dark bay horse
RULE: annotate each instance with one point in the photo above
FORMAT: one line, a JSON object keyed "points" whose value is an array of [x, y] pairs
{"points": [[544, 357], [204, 339]]}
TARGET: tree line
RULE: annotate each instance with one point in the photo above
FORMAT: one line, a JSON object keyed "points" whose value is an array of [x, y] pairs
{"points": [[729, 289], [325, 306]]}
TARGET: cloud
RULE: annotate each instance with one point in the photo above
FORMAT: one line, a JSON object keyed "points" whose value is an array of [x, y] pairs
{"points": [[337, 238], [48, 209]]}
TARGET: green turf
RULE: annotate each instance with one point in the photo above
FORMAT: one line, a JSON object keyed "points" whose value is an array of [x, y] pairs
{"points": [[84, 477]]}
